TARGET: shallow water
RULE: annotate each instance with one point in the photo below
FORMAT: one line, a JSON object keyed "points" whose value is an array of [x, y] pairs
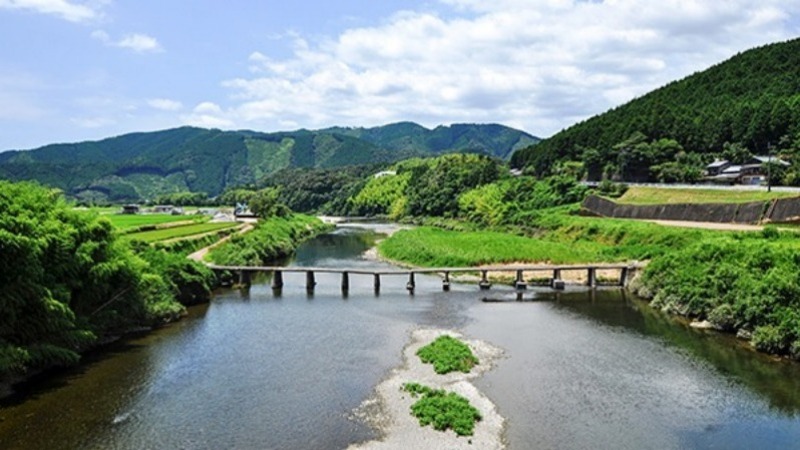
{"points": [[256, 369]]}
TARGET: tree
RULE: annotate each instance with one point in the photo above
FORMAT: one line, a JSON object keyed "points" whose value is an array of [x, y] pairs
{"points": [[264, 203]]}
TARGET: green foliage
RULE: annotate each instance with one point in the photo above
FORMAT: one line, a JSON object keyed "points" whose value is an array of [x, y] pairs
{"points": [[264, 203], [66, 281], [272, 239], [608, 188], [739, 281], [320, 190], [448, 354], [384, 195], [751, 100], [231, 197], [443, 410], [183, 198], [434, 186], [189, 281]]}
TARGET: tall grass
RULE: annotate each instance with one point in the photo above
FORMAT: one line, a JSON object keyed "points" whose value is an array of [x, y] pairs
{"points": [[272, 239]]}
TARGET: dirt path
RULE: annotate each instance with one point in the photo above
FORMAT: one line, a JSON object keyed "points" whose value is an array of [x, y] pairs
{"points": [[200, 255], [708, 225]]}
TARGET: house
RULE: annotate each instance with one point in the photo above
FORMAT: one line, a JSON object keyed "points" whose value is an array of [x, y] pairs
{"points": [[753, 171], [716, 167], [130, 209]]}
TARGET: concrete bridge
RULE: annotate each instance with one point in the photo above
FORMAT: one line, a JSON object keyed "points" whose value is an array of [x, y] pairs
{"points": [[552, 274]]}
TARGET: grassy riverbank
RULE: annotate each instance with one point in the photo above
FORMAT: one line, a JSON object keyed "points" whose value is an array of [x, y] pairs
{"points": [[272, 239], [741, 282], [555, 237]]}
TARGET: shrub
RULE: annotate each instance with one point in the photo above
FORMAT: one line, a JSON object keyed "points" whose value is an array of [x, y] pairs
{"points": [[769, 339], [448, 354], [723, 316], [443, 409]]}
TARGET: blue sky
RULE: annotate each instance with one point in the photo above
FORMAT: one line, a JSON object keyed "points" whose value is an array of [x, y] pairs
{"points": [[73, 70]]}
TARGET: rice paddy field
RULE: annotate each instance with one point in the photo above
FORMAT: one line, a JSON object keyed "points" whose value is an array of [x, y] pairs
{"points": [[179, 232]]}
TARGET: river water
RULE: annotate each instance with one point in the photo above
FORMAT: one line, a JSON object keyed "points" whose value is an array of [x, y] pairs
{"points": [[264, 370]]}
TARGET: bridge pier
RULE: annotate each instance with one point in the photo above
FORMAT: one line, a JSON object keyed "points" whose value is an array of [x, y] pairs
{"points": [[244, 278], [277, 279], [623, 276], [411, 284], [484, 283], [310, 282], [591, 278], [446, 282], [345, 281], [520, 283], [557, 282]]}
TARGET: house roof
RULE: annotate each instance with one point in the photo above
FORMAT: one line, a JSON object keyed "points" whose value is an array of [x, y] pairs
{"points": [[718, 163], [732, 169], [766, 159]]}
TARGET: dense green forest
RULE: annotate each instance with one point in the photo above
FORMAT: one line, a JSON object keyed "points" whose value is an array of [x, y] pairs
{"points": [[749, 103], [144, 166], [69, 282]]}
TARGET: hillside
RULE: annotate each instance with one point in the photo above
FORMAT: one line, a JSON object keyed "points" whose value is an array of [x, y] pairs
{"points": [[143, 165], [752, 99]]}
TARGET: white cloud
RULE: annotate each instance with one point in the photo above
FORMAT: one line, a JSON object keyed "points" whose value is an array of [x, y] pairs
{"points": [[67, 10], [207, 115], [164, 104], [140, 43], [536, 64]]}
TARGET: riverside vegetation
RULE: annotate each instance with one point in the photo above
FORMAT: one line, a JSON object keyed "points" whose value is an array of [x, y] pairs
{"points": [[72, 281]]}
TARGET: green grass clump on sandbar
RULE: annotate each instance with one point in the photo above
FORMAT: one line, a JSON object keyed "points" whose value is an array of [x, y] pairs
{"points": [[443, 410], [448, 354]]}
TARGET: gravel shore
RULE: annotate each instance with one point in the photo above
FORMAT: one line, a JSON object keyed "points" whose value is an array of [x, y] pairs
{"points": [[390, 408]]}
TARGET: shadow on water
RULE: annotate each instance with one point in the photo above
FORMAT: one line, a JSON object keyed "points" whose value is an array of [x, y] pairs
{"points": [[776, 380]]}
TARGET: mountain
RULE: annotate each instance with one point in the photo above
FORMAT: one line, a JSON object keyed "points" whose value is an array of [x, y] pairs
{"points": [[752, 99], [493, 139], [143, 165]]}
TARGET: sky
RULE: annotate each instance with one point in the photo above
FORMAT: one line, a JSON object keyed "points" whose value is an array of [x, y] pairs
{"points": [[74, 70]]}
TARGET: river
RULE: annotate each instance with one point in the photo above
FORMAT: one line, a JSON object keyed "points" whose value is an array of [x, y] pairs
{"points": [[256, 369]]}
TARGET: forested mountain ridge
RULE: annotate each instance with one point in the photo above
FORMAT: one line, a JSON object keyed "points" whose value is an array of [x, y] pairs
{"points": [[143, 165], [499, 140], [751, 100]]}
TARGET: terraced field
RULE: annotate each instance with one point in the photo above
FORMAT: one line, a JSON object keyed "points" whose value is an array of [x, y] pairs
{"points": [[178, 232]]}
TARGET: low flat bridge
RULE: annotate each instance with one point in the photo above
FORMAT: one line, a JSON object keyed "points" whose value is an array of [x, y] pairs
{"points": [[552, 278]]}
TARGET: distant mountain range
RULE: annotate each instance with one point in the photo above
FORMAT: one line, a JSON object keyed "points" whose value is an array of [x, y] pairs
{"points": [[141, 166]]}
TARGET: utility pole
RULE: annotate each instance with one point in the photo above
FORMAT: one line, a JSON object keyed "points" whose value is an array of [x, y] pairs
{"points": [[769, 167]]}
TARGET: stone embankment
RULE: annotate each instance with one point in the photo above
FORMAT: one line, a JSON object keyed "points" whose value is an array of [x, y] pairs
{"points": [[777, 210]]}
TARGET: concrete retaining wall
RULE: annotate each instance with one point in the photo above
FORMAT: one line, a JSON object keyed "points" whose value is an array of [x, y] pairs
{"points": [[745, 213]]}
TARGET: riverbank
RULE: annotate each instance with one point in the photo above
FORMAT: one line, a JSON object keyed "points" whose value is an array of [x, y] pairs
{"points": [[389, 410]]}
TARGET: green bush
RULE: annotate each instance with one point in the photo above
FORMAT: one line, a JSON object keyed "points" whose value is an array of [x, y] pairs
{"points": [[723, 316], [443, 409], [769, 339], [448, 354]]}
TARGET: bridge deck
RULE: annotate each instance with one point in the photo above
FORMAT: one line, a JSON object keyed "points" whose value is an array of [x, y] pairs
{"points": [[512, 268]]}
